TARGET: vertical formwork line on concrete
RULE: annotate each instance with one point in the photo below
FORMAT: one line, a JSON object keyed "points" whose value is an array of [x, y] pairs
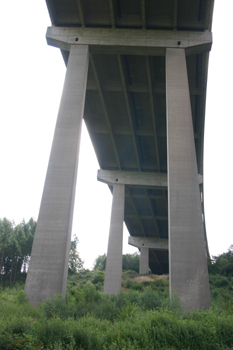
{"points": [[188, 272], [113, 272], [48, 269]]}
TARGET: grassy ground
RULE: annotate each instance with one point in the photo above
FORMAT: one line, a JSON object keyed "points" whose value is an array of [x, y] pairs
{"points": [[140, 317]]}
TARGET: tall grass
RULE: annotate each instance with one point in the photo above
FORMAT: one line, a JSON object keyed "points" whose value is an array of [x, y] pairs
{"points": [[134, 319]]}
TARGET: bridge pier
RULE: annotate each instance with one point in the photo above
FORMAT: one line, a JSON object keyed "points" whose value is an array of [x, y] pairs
{"points": [[144, 261], [188, 272], [48, 269], [115, 178], [113, 271]]}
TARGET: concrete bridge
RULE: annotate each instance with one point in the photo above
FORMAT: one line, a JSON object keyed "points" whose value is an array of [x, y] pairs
{"points": [[137, 74]]}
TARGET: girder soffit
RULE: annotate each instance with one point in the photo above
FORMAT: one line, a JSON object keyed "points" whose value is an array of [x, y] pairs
{"points": [[139, 81], [143, 14], [125, 110], [126, 97]]}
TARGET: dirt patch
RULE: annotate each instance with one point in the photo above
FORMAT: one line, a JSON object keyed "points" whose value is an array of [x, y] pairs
{"points": [[150, 278]]}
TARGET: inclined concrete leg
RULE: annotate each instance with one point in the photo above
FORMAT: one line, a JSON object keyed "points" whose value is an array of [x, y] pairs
{"points": [[144, 261], [113, 272], [187, 259], [48, 269]]}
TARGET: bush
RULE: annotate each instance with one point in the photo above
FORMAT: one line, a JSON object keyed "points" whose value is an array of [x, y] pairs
{"points": [[98, 277], [129, 274], [134, 285], [219, 281], [91, 294], [160, 284], [55, 307], [88, 319], [150, 300]]}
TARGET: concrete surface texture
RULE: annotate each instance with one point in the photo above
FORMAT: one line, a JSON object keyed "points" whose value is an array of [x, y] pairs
{"points": [[152, 243], [113, 271], [188, 272], [144, 109], [133, 178], [48, 269], [125, 40], [144, 261]]}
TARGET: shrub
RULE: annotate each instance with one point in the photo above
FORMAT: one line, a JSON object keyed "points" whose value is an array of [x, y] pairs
{"points": [[150, 299], [91, 294], [98, 277], [55, 306], [88, 319], [134, 285], [160, 284]]}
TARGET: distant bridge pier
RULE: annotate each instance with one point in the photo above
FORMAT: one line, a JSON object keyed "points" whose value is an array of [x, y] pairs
{"points": [[113, 271], [144, 261], [48, 268], [144, 245], [118, 180]]}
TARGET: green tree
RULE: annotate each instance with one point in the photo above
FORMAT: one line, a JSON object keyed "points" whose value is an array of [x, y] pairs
{"points": [[14, 251], [5, 231], [29, 229], [222, 264], [131, 262], [75, 262], [15, 248], [100, 262]]}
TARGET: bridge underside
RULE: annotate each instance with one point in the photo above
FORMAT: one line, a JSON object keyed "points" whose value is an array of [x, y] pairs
{"points": [[133, 14], [125, 113], [139, 69]]}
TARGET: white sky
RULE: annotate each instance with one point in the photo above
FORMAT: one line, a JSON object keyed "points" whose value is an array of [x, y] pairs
{"points": [[31, 80]]}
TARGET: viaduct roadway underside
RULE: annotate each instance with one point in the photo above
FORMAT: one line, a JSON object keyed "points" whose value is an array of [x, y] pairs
{"points": [[143, 101]]}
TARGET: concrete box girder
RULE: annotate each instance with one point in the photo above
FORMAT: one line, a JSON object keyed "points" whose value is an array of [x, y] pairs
{"points": [[133, 41], [133, 178], [145, 242], [173, 15]]}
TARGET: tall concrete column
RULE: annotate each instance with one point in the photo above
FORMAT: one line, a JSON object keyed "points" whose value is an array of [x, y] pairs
{"points": [[187, 259], [48, 268], [113, 272], [144, 261]]}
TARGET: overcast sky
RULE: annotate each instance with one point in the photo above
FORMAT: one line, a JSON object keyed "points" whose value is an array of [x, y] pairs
{"points": [[32, 75]]}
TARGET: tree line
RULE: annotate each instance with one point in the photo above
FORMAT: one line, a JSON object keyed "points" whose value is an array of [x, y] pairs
{"points": [[15, 249], [222, 264], [16, 244], [130, 262]]}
